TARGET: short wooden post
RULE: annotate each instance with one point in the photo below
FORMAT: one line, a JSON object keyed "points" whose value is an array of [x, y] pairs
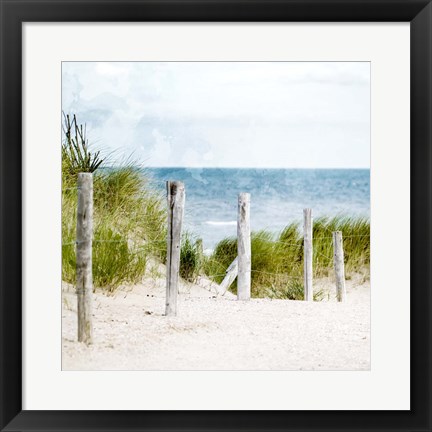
{"points": [[200, 250], [339, 266], [308, 254], [176, 201], [244, 247], [84, 234], [200, 247], [231, 274]]}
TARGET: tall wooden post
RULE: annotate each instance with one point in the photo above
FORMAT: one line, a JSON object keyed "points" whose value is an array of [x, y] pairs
{"points": [[176, 201], [84, 234], [308, 254], [244, 247], [339, 266]]}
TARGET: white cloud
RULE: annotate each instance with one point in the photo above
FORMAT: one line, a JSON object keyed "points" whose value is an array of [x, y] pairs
{"points": [[226, 114], [110, 69]]}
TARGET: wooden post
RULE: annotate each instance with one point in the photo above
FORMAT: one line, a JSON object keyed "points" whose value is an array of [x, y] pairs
{"points": [[339, 266], [244, 247], [200, 250], [231, 274], [200, 247], [308, 254], [176, 201], [84, 234]]}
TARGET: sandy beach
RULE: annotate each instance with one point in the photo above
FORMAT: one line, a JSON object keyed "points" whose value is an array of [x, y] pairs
{"points": [[219, 333]]}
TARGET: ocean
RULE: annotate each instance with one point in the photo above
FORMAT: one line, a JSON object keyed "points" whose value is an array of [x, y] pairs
{"points": [[278, 196]]}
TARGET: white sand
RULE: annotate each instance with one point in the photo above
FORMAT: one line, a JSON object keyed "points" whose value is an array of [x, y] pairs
{"points": [[209, 333]]}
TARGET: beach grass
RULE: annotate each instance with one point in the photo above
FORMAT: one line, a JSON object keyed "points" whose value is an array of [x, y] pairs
{"points": [[191, 257], [129, 226], [277, 260], [129, 220]]}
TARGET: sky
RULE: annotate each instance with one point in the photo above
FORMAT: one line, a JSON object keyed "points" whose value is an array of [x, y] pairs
{"points": [[224, 114]]}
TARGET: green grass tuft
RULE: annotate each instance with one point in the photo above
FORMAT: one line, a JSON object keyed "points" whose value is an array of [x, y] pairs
{"points": [[277, 260], [76, 154], [129, 221], [190, 258]]}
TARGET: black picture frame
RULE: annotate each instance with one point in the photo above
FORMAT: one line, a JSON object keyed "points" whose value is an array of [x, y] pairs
{"points": [[16, 12]]}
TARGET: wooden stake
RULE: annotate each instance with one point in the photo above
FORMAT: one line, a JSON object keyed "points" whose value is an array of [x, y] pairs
{"points": [[339, 266], [200, 247], [308, 254], [244, 247], [231, 274], [176, 202], [200, 250], [84, 234]]}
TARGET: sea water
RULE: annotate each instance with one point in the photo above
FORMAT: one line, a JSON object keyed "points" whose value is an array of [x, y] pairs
{"points": [[278, 196]]}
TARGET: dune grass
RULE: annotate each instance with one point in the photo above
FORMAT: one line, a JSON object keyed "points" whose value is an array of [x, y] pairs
{"points": [[129, 226], [76, 154], [191, 257], [129, 220], [277, 260]]}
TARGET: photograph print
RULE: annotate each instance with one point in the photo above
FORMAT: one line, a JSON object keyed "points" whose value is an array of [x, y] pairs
{"points": [[215, 216]]}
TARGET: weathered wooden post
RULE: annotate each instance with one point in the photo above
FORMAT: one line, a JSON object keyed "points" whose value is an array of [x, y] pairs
{"points": [[244, 247], [200, 247], [231, 274], [339, 266], [176, 201], [308, 254], [84, 234]]}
